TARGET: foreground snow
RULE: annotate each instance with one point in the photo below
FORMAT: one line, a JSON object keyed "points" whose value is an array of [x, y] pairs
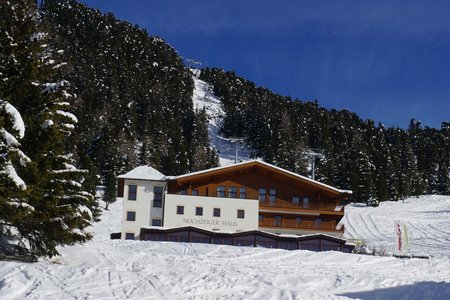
{"points": [[118, 269]]}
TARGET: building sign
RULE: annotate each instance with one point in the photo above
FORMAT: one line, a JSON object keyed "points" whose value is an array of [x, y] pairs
{"points": [[209, 222]]}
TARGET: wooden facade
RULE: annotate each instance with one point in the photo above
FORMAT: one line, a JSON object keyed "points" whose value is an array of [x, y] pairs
{"points": [[288, 203]]}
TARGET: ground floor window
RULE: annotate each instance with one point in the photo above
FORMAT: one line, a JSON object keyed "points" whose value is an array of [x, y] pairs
{"points": [[131, 216], [180, 210], [129, 236], [216, 212], [199, 211], [240, 213]]}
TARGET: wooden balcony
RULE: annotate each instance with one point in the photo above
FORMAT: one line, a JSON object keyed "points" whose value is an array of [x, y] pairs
{"points": [[313, 206], [304, 224]]}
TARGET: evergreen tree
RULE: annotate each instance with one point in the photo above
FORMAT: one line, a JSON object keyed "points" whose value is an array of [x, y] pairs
{"points": [[58, 206], [361, 170], [110, 195]]}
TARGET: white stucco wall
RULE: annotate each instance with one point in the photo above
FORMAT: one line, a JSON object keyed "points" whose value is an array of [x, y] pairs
{"points": [[227, 221], [143, 206]]}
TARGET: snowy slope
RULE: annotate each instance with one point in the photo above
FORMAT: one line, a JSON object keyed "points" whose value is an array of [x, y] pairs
{"points": [[204, 97], [427, 219], [118, 269]]}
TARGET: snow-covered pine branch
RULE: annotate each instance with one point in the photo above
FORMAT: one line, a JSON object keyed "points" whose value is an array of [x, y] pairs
{"points": [[9, 143], [16, 118]]}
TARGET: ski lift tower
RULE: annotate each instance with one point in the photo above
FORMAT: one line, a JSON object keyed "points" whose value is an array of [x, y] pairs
{"points": [[236, 141], [311, 154]]}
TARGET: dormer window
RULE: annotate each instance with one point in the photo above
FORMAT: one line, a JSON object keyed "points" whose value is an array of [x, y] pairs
{"points": [[221, 191]]}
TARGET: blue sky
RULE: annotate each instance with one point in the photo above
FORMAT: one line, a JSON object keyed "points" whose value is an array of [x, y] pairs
{"points": [[385, 60]]}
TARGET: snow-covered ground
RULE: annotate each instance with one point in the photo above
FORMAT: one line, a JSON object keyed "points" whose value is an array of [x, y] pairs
{"points": [[118, 269], [204, 97], [427, 219]]}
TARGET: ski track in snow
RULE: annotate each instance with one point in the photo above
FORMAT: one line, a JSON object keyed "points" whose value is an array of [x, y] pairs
{"points": [[119, 269]]}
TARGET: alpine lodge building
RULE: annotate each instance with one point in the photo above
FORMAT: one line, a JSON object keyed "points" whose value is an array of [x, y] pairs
{"points": [[252, 203]]}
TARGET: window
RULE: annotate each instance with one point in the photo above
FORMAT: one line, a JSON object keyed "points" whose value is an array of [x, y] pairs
{"points": [[262, 195], [132, 190], [221, 191], [272, 196], [296, 200], [305, 202], [129, 236], [298, 220], [182, 192], [216, 212], [243, 192], [232, 192], [157, 200], [318, 223], [156, 222], [277, 220], [194, 192], [240, 213], [180, 210], [131, 216], [199, 211]]}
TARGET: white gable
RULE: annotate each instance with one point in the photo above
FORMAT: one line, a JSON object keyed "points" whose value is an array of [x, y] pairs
{"points": [[144, 173]]}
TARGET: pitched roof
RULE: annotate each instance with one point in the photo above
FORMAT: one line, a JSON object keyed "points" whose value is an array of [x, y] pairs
{"points": [[145, 173], [269, 166]]}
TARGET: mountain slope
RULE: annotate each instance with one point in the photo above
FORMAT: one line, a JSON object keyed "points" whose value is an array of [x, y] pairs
{"points": [[204, 98], [135, 107], [135, 93], [373, 161]]}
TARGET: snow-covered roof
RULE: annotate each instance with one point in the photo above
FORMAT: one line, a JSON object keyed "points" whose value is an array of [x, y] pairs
{"points": [[269, 166], [144, 173]]}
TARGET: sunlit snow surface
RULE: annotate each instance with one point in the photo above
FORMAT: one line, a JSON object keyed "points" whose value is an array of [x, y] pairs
{"points": [[118, 269], [427, 219]]}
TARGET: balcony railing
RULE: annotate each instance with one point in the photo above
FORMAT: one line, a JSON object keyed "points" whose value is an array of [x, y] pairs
{"points": [[287, 204], [304, 224]]}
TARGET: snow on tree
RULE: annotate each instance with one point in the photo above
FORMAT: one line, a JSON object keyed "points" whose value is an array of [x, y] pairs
{"points": [[9, 144], [55, 208]]}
